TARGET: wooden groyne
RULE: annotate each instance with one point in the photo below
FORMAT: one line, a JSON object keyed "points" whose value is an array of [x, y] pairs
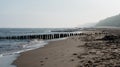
{"points": [[42, 36], [51, 35]]}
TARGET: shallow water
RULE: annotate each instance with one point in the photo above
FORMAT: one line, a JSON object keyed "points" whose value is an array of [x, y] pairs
{"points": [[6, 61], [10, 49], [7, 58]]}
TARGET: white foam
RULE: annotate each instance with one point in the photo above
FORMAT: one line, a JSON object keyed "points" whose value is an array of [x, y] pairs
{"points": [[7, 59], [57, 39], [37, 44], [1, 55]]}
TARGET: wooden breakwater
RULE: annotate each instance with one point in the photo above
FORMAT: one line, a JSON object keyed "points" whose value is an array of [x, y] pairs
{"points": [[42, 36]]}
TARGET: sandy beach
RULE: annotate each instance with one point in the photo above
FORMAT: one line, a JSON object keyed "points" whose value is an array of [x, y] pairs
{"points": [[93, 49], [55, 54]]}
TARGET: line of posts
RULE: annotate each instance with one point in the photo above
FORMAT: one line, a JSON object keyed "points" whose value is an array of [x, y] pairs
{"points": [[42, 36]]}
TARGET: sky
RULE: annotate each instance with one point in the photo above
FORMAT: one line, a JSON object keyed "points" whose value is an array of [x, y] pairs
{"points": [[55, 13]]}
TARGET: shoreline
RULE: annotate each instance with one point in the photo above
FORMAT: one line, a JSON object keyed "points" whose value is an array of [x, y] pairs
{"points": [[52, 51], [12, 56], [94, 48], [17, 54]]}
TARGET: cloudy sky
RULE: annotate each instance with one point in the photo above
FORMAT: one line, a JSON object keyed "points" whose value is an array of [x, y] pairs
{"points": [[55, 13]]}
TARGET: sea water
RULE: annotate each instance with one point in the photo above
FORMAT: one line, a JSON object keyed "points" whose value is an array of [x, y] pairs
{"points": [[10, 49]]}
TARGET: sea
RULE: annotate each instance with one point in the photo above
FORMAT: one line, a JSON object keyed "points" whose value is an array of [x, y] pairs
{"points": [[11, 49]]}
